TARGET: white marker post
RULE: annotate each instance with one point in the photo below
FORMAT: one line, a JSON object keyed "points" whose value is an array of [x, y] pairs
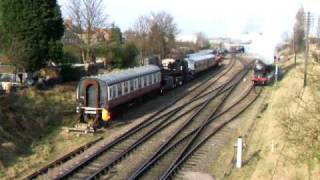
{"points": [[239, 152]]}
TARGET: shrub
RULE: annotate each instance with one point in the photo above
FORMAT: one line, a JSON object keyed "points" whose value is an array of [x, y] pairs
{"points": [[70, 73]]}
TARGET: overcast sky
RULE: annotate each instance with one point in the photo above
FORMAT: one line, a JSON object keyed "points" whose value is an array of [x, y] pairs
{"points": [[215, 18]]}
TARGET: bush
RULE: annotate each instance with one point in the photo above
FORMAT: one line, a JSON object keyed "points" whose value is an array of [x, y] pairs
{"points": [[130, 52], [70, 73], [69, 58], [316, 56]]}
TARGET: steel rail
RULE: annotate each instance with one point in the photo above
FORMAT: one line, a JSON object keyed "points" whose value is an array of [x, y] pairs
{"points": [[172, 169], [138, 127], [160, 151], [61, 160]]}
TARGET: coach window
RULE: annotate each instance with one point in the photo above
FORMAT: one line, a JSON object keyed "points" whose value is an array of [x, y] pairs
{"points": [[113, 92], [125, 87], [110, 92], [140, 83], [136, 84], [149, 79], [145, 80], [159, 77], [119, 89], [131, 85], [152, 78]]}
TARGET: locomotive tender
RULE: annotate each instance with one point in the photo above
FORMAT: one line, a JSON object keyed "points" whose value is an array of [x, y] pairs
{"points": [[98, 96]]}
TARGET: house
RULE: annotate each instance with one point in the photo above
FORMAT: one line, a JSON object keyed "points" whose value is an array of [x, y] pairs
{"points": [[74, 37], [101, 35], [70, 37]]}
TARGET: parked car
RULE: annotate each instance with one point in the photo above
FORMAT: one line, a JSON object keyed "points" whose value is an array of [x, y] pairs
{"points": [[9, 82]]}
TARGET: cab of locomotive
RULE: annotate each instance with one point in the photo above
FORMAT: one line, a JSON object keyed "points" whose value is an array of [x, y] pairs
{"points": [[92, 102]]}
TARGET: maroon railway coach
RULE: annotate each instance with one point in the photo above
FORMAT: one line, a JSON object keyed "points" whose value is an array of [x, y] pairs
{"points": [[97, 96]]}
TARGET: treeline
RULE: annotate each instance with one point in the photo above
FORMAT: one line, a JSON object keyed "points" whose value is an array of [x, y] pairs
{"points": [[33, 33]]}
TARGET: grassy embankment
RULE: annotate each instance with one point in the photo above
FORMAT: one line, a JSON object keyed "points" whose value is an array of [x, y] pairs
{"points": [[30, 129], [284, 141]]}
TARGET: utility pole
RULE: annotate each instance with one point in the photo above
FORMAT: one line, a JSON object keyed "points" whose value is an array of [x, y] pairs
{"points": [[307, 49], [318, 31]]}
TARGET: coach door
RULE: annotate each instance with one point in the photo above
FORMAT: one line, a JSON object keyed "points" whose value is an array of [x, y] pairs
{"points": [[92, 94]]}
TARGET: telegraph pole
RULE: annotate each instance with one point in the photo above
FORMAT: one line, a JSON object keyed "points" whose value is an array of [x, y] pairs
{"points": [[318, 30], [294, 47], [307, 49]]}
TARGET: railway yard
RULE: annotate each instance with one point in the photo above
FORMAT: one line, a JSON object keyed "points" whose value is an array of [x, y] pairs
{"points": [[188, 132], [96, 89], [169, 141]]}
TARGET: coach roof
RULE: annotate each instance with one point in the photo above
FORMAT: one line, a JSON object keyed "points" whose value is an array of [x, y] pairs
{"points": [[123, 75], [199, 57]]}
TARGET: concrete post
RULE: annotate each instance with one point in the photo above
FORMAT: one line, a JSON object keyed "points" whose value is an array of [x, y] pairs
{"points": [[239, 152]]}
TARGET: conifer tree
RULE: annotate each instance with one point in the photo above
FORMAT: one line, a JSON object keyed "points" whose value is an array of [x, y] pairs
{"points": [[31, 32]]}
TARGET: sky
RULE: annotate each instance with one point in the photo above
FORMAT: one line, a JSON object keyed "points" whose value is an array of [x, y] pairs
{"points": [[216, 18]]}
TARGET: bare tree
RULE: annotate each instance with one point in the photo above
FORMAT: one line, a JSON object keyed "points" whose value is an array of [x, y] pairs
{"points": [[299, 30], [202, 41], [163, 31], [88, 15], [140, 38], [154, 34], [318, 31]]}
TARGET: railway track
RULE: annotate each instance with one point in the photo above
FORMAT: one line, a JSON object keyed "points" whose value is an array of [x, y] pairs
{"points": [[63, 159], [201, 135], [156, 130], [161, 117], [163, 160], [199, 150], [122, 146]]}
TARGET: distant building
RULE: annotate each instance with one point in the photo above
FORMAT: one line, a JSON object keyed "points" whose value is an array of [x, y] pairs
{"points": [[101, 35], [72, 36]]}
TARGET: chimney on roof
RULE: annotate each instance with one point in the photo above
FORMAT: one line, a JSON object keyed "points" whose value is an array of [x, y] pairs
{"points": [[68, 23]]}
